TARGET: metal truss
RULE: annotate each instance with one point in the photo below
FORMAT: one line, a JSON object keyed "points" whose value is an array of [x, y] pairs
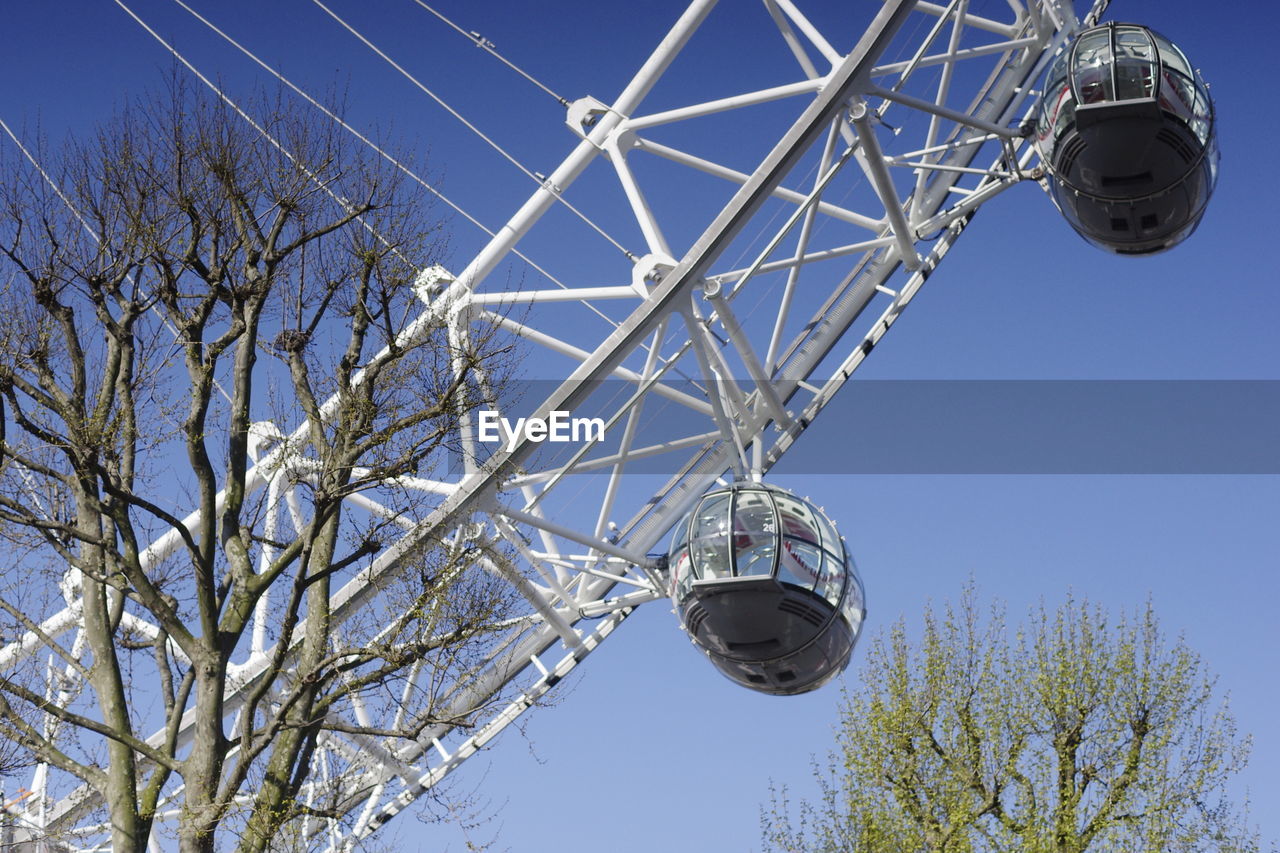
{"points": [[876, 158]]}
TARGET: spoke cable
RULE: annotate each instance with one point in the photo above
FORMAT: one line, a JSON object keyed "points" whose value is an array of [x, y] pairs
{"points": [[262, 131], [545, 184], [367, 141], [386, 155], [490, 48], [276, 143]]}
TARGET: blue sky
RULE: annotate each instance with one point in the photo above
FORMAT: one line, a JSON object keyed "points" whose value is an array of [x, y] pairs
{"points": [[648, 747]]}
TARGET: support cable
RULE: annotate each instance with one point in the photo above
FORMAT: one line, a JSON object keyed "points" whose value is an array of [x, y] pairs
{"points": [[490, 48], [383, 153], [555, 191], [262, 131], [276, 143]]}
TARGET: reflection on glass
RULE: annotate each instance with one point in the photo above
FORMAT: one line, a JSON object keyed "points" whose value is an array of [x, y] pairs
{"points": [[682, 573], [1058, 71], [800, 564], [1171, 56], [711, 539], [852, 607], [759, 532], [1135, 64], [754, 534], [1092, 68], [679, 536], [832, 579], [830, 539], [798, 520]]}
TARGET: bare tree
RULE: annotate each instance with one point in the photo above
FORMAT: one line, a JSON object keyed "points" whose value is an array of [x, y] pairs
{"points": [[172, 288]]}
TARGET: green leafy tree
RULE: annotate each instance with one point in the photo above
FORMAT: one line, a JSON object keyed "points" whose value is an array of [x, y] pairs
{"points": [[1078, 733]]}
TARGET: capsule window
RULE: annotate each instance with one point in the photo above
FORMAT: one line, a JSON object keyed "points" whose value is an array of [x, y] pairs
{"points": [[832, 579], [1178, 95], [1202, 108], [800, 564], [1091, 68], [798, 520], [1135, 64], [830, 539], [710, 543], [681, 572], [854, 601], [760, 533], [1066, 117], [755, 534], [1172, 57], [1058, 71], [680, 535]]}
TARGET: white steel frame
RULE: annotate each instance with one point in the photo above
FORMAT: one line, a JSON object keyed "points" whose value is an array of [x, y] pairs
{"points": [[758, 386]]}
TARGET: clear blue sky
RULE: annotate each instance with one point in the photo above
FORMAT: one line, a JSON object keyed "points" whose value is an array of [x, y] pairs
{"points": [[648, 748]]}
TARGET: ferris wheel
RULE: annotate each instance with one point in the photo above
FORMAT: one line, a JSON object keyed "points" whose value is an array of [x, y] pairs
{"points": [[724, 333]]}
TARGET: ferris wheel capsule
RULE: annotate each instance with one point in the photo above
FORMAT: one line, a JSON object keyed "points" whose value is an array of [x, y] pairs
{"points": [[1126, 130], [765, 586]]}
